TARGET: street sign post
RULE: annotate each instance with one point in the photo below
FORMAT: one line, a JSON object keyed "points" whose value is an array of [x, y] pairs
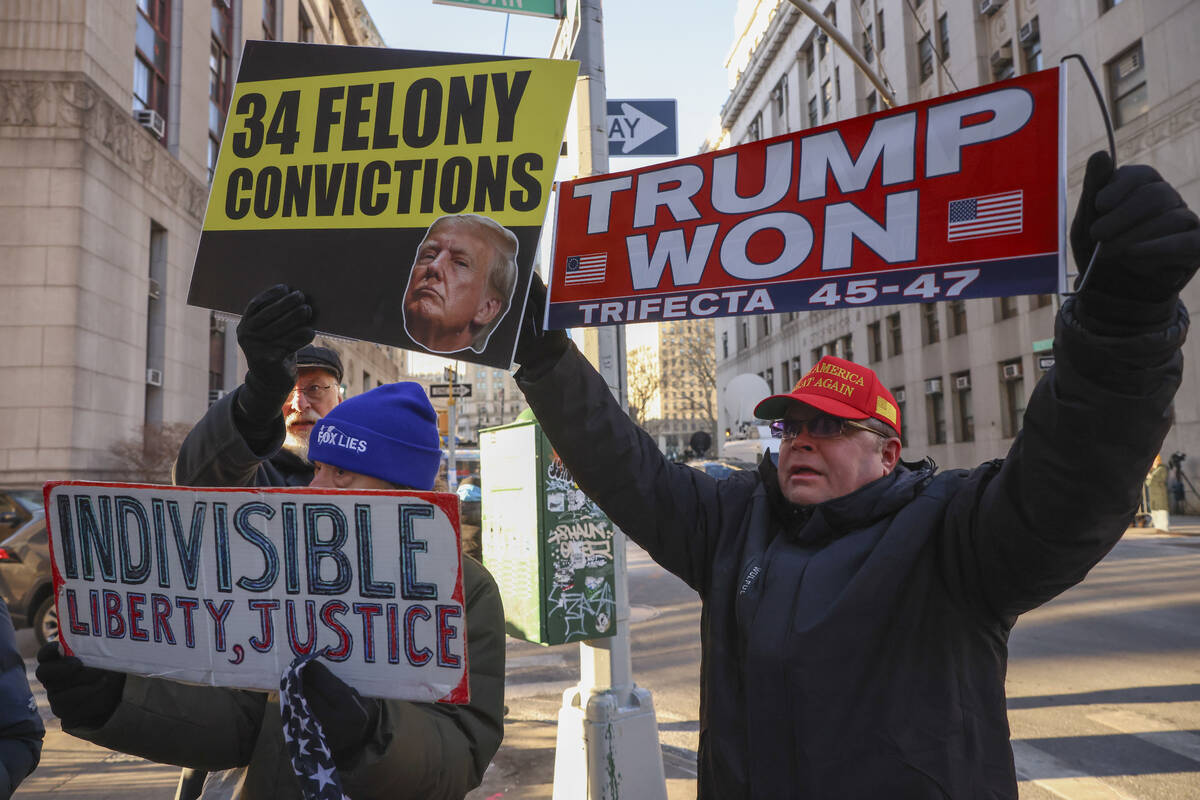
{"points": [[642, 128], [449, 390], [551, 9]]}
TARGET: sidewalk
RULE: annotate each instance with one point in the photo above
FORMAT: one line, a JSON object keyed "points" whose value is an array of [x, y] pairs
{"points": [[1181, 525]]}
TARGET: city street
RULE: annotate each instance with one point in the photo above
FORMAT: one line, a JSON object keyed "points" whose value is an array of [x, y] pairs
{"points": [[1104, 691]]}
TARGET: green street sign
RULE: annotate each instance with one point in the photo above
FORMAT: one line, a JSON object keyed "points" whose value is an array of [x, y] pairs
{"points": [[1043, 345], [534, 8]]}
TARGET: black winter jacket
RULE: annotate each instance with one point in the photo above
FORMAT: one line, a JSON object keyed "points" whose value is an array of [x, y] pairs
{"points": [[857, 648], [215, 453]]}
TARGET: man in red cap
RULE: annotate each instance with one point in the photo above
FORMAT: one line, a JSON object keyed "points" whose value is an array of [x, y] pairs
{"points": [[857, 606]]}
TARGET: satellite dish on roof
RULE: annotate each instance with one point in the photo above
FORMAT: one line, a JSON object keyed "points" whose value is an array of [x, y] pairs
{"points": [[740, 396]]}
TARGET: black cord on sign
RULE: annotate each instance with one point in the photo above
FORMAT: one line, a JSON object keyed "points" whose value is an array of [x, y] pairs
{"points": [[1112, 148]]}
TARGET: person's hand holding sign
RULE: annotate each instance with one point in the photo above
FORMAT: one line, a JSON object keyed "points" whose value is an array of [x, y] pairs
{"points": [[1149, 243], [348, 719], [80, 696], [277, 322]]}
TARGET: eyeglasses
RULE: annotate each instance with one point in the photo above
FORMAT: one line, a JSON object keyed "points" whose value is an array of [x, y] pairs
{"points": [[313, 392], [822, 426]]}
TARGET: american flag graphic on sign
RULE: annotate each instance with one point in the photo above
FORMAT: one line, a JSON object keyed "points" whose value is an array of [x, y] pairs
{"points": [[990, 215], [311, 760], [586, 269]]}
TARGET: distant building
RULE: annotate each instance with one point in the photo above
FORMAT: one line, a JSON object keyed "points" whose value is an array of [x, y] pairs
{"points": [[111, 117], [962, 371]]}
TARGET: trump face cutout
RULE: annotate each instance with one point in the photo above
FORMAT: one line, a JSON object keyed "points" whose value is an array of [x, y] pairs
{"points": [[461, 283]]}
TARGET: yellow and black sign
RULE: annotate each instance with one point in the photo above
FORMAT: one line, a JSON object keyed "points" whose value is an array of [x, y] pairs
{"points": [[338, 164]]}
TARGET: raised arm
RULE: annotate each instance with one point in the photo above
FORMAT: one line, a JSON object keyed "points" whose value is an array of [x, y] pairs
{"points": [[1032, 526]]}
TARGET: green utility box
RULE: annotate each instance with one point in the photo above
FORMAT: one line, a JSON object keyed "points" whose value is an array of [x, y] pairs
{"points": [[549, 547]]}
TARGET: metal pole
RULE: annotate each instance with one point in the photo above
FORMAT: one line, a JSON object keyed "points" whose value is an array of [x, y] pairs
{"points": [[607, 729], [809, 10]]}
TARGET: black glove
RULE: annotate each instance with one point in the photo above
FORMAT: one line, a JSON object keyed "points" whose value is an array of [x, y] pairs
{"points": [[276, 323], [538, 349], [348, 718], [80, 696], [1149, 242]]}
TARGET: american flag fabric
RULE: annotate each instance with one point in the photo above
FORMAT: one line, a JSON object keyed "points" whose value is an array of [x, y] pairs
{"points": [[586, 269], [311, 759], [990, 215]]}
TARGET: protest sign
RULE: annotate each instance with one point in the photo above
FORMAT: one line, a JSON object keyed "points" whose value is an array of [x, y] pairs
{"points": [[335, 163], [960, 196], [225, 587]]}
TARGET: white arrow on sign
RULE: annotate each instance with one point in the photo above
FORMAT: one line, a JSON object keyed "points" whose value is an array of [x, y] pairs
{"points": [[634, 127]]}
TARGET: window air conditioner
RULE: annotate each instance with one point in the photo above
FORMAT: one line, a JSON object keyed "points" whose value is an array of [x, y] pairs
{"points": [[989, 7], [1029, 32], [154, 289], [899, 395], [151, 120], [933, 386], [1012, 371], [962, 382], [153, 377], [1002, 57]]}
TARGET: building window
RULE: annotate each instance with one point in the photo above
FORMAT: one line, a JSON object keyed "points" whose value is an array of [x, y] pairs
{"points": [[823, 44], [784, 379], [1012, 388], [935, 410], [879, 30], [931, 331], [943, 27], [270, 17], [837, 82], [1002, 62], [809, 64], [1108, 5], [925, 53], [152, 38], [725, 344], [812, 113], [764, 325], [868, 45], [900, 395], [1040, 301], [964, 415], [743, 335], [769, 377], [874, 343], [220, 79], [826, 98], [956, 313], [1127, 85], [306, 27], [895, 340], [872, 103], [1006, 308], [754, 132], [779, 98]]}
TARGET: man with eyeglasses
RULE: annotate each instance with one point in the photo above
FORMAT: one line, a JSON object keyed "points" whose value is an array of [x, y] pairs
{"points": [[257, 434], [857, 606]]}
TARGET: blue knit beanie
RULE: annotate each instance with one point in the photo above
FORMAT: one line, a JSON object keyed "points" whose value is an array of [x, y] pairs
{"points": [[389, 433]]}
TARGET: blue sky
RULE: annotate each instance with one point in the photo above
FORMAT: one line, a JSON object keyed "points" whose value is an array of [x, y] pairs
{"points": [[653, 49]]}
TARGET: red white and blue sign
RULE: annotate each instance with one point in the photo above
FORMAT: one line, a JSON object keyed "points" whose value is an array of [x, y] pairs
{"points": [[958, 197]]}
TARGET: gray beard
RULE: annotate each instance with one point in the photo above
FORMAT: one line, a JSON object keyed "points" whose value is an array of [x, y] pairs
{"points": [[296, 445]]}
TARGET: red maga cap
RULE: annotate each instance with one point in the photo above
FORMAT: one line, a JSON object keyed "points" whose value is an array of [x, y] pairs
{"points": [[837, 387]]}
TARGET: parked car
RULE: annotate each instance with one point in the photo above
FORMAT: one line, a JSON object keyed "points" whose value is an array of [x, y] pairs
{"points": [[26, 585], [17, 507]]}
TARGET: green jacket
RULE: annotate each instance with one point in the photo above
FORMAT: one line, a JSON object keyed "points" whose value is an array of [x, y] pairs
{"points": [[422, 751]]}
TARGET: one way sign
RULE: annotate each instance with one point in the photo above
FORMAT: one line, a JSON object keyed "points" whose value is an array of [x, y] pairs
{"points": [[642, 128]]}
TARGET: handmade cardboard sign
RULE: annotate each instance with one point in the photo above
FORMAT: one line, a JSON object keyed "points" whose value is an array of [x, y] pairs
{"points": [[402, 191], [957, 197], [226, 587]]}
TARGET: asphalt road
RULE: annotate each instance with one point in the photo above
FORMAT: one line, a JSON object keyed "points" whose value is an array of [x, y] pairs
{"points": [[1104, 692]]}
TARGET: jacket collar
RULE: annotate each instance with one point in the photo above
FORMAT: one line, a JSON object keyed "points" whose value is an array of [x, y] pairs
{"points": [[818, 524]]}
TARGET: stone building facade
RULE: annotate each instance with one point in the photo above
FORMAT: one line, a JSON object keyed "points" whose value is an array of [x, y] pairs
{"points": [[110, 117], [962, 370]]}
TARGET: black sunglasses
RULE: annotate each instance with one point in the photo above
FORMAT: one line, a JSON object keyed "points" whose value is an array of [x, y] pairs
{"points": [[822, 426]]}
